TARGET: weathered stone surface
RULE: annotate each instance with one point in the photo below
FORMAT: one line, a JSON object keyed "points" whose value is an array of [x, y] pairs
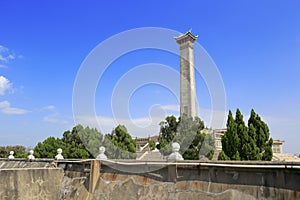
{"points": [[188, 104], [91, 179], [228, 194], [30, 184], [24, 163]]}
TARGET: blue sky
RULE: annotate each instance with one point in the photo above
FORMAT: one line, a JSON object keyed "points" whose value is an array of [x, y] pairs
{"points": [[255, 46]]}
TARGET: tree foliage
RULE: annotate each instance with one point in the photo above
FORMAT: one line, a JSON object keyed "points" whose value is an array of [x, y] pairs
{"points": [[71, 143], [19, 151], [82, 143], [152, 145], [188, 133], [48, 148], [246, 143], [74, 143], [119, 144]]}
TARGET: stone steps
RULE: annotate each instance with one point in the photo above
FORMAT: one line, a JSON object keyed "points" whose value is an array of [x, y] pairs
{"points": [[216, 154], [153, 156]]}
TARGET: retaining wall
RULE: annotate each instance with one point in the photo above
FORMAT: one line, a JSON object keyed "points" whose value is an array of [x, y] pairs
{"points": [[92, 179]]}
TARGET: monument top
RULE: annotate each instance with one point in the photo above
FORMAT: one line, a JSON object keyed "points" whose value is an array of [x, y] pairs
{"points": [[188, 36]]}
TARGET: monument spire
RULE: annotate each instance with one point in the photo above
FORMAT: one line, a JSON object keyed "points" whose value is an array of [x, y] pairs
{"points": [[188, 104]]}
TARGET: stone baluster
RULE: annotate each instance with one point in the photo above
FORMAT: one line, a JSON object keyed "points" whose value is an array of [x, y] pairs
{"points": [[101, 155], [11, 155], [59, 156]]}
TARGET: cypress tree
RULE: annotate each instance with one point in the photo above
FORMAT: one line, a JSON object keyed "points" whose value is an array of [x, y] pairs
{"points": [[261, 136], [230, 140], [246, 143], [242, 132]]}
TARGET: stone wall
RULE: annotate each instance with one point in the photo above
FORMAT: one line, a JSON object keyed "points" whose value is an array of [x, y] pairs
{"points": [[198, 182], [92, 179], [30, 183], [186, 180]]}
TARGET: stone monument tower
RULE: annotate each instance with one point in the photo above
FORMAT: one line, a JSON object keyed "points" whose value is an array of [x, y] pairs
{"points": [[188, 104]]}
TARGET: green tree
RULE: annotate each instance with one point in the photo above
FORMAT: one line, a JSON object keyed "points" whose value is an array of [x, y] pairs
{"points": [[48, 148], [73, 145], [188, 133], [19, 151], [246, 143], [230, 140], [261, 134], [119, 144], [242, 132], [84, 143], [223, 156], [251, 148], [168, 129], [92, 139], [152, 145]]}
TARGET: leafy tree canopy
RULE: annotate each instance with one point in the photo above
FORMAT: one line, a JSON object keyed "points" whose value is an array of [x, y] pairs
{"points": [[246, 143], [119, 144], [19, 151], [188, 133], [83, 143]]}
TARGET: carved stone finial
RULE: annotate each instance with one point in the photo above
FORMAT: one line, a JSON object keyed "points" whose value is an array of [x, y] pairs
{"points": [[156, 150], [31, 156], [175, 155], [101, 155], [11, 155], [59, 156]]}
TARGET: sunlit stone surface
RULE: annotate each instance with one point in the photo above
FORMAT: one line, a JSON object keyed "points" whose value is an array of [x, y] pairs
{"points": [[31, 156], [101, 155], [59, 156], [175, 155], [11, 155]]}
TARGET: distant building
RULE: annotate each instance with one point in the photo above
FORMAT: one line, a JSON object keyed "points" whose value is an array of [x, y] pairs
{"points": [[142, 142], [277, 146], [218, 133]]}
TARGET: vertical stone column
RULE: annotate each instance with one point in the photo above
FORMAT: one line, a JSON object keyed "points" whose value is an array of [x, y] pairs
{"points": [[94, 175], [188, 104]]}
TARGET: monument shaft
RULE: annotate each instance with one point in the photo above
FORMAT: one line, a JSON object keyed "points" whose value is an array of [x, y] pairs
{"points": [[188, 103]]}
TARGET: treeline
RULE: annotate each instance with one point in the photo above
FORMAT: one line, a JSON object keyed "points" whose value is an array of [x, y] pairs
{"points": [[19, 151], [241, 142], [188, 132], [83, 143], [80, 143]]}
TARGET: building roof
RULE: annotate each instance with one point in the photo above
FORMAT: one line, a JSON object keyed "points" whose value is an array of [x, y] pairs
{"points": [[188, 36], [278, 142]]}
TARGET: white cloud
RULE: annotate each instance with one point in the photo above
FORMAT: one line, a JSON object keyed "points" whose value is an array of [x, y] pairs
{"points": [[213, 118], [6, 56], [7, 109], [145, 126], [4, 85], [4, 104], [171, 107], [2, 58], [49, 107], [10, 57], [55, 117], [137, 127]]}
